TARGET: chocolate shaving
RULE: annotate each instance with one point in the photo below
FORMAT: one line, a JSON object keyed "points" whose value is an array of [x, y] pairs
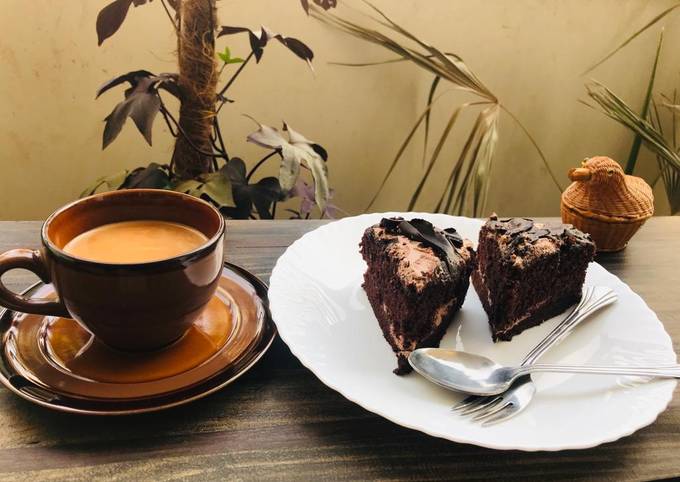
{"points": [[442, 242], [525, 230]]}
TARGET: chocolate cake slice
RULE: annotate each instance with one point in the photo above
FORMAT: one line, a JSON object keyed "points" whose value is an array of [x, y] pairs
{"points": [[528, 272], [416, 280]]}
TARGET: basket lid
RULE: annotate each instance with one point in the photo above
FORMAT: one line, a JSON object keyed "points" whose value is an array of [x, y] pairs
{"points": [[601, 187]]}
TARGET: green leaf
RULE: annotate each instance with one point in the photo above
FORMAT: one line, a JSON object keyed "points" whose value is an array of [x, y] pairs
{"points": [[235, 60], [637, 142], [190, 186], [218, 188], [106, 183], [225, 56]]}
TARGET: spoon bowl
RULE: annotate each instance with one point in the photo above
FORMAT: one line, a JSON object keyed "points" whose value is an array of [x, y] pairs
{"points": [[478, 375], [461, 371]]}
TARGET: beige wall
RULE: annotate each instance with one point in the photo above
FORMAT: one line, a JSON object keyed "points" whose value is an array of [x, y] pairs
{"points": [[529, 52]]}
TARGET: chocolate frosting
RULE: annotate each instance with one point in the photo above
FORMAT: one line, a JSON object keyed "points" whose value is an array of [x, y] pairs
{"points": [[443, 242], [525, 230]]}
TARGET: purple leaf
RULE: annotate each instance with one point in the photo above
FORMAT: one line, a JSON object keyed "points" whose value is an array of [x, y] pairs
{"points": [[168, 82], [111, 17], [325, 4], [307, 201], [261, 194], [306, 194], [153, 176], [114, 122], [131, 77], [260, 38], [257, 40], [143, 112], [298, 48], [141, 103]]}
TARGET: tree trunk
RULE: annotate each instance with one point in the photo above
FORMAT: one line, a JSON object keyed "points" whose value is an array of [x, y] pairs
{"points": [[197, 82]]}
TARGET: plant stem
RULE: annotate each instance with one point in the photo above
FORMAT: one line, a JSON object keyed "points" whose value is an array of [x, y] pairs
{"points": [[260, 162], [274, 210], [172, 20], [167, 115], [218, 133], [233, 77]]}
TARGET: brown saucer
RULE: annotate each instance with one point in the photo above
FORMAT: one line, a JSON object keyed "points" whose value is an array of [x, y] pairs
{"points": [[56, 363]]}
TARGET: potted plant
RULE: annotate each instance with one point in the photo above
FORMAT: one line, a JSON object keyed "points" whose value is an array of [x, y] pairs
{"points": [[200, 164]]}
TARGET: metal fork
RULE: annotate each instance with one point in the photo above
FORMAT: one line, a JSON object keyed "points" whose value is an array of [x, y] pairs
{"points": [[494, 409]]}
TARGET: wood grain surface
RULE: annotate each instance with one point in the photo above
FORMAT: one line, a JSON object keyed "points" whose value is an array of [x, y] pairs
{"points": [[278, 422]]}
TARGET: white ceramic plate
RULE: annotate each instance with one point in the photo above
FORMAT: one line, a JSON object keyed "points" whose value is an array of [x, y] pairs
{"points": [[323, 315]]}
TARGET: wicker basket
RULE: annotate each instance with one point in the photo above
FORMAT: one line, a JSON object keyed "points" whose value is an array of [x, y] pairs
{"points": [[606, 203]]}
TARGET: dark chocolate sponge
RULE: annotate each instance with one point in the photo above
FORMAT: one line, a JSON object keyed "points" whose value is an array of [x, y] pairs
{"points": [[528, 272], [416, 280]]}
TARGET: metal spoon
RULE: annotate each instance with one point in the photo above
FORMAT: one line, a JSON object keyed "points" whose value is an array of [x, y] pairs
{"points": [[476, 374]]}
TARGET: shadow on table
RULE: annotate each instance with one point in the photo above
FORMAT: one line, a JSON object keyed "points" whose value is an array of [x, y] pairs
{"points": [[279, 420]]}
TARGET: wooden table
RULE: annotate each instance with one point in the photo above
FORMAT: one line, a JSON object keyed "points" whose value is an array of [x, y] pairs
{"points": [[279, 422]]}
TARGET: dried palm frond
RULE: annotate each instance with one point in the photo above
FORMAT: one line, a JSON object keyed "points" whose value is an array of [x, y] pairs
{"points": [[637, 142], [651, 133], [632, 37], [669, 175], [467, 186]]}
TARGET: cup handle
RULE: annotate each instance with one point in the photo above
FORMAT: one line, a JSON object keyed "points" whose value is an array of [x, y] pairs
{"points": [[33, 261]]}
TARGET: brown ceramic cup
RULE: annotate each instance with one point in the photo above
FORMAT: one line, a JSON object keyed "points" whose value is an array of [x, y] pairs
{"points": [[132, 307]]}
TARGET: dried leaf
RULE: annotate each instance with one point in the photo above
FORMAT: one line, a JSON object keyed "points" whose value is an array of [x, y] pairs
{"points": [[437, 151], [289, 171], [615, 108], [320, 174], [266, 136], [295, 151], [483, 159], [430, 96], [637, 141], [401, 150], [632, 37]]}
